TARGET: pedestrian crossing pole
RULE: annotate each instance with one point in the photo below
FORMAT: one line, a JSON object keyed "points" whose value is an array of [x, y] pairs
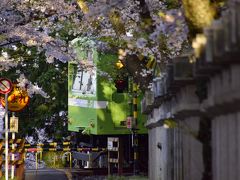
{"points": [[6, 136], [134, 131]]}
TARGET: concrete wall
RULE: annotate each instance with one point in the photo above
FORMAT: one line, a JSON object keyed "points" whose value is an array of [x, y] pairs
{"points": [[192, 150], [225, 109], [181, 153], [184, 154], [159, 153]]}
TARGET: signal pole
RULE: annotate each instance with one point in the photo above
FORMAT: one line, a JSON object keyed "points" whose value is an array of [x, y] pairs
{"points": [[134, 131]]}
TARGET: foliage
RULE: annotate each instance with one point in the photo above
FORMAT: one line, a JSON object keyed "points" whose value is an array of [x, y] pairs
{"points": [[49, 113]]}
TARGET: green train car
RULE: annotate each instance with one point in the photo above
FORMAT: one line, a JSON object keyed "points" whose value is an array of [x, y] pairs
{"points": [[94, 105]]}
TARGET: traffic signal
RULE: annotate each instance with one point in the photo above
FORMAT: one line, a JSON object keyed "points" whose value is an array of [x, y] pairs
{"points": [[121, 85]]}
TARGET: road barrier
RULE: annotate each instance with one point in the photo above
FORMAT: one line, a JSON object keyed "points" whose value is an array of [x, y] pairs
{"points": [[19, 148], [17, 162]]}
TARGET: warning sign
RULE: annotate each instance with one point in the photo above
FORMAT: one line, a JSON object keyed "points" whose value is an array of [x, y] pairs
{"points": [[17, 99], [5, 86]]}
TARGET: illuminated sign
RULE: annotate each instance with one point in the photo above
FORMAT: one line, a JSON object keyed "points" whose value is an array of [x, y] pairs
{"points": [[17, 99]]}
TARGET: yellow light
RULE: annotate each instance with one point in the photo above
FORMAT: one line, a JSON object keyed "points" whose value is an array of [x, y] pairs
{"points": [[119, 64]]}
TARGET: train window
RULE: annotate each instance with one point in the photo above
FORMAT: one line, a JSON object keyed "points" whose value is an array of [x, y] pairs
{"points": [[84, 82], [90, 55]]}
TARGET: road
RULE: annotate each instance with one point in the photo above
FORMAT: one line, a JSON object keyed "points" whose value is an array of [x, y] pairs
{"points": [[45, 174]]}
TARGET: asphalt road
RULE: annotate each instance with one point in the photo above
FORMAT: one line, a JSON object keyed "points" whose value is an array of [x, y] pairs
{"points": [[45, 174]]}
